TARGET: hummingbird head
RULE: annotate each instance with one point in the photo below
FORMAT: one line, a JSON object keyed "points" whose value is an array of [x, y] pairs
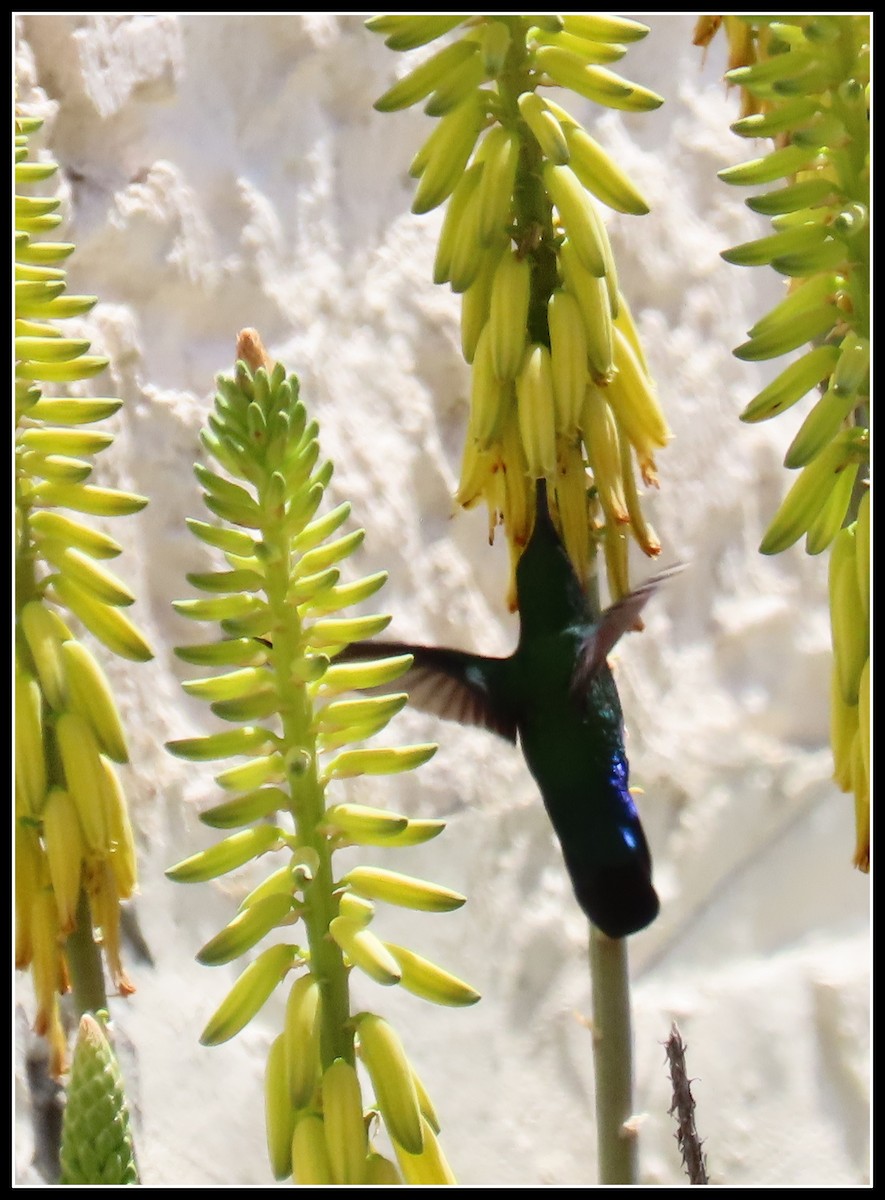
{"points": [[548, 591]]}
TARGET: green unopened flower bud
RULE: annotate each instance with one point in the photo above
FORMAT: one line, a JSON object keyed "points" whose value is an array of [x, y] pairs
{"points": [[96, 1139]]}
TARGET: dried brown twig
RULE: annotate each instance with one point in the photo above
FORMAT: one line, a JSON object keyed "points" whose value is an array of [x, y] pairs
{"points": [[683, 1106]]}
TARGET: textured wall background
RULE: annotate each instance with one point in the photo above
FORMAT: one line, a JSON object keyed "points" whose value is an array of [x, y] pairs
{"points": [[228, 170]]}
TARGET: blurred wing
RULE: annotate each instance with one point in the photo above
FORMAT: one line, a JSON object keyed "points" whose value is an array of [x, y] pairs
{"points": [[614, 622], [446, 683]]}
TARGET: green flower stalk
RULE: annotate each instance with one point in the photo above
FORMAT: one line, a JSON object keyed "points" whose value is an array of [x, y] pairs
{"points": [[75, 852], [296, 729], [560, 385], [806, 83], [96, 1147]]}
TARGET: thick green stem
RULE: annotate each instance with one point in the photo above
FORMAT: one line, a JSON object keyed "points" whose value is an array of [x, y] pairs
{"points": [[84, 963], [617, 1144], [308, 808]]}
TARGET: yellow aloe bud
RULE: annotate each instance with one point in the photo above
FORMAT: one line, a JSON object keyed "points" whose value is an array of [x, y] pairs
{"points": [[302, 1034], [364, 825], [247, 928], [65, 848], [107, 623], [30, 760], [508, 313], [365, 950], [310, 1157], [91, 696], [379, 760], [279, 1115], [345, 1129], [380, 1171], [44, 644], [248, 994], [427, 1167], [375, 883], [226, 855], [81, 762], [385, 1059], [425, 979]]}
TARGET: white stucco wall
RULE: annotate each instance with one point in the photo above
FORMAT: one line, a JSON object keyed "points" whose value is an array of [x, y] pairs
{"points": [[229, 170]]}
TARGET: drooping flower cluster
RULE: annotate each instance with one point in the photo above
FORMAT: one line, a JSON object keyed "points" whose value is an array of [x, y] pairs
{"points": [[560, 385]]}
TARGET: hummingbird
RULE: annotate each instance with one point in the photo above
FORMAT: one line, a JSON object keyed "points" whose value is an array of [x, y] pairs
{"points": [[557, 696]]}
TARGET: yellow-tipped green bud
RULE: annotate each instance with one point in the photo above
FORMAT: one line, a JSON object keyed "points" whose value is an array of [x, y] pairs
{"points": [[302, 1036], [226, 855], [74, 411], [341, 631], [779, 164], [794, 382], [831, 516], [862, 544], [248, 994], [634, 401], [595, 83], [345, 1128], [591, 295], [243, 810], [310, 1158], [851, 638], [247, 928], [568, 357], [81, 762], [376, 883], [363, 825], [379, 760], [123, 857], [578, 214], [545, 127], [356, 714], [405, 31], [445, 153], [65, 847], [536, 411], [279, 1115], [380, 1171], [52, 526], [820, 426], [385, 1059], [508, 313], [812, 489], [44, 644], [495, 195], [489, 394], [91, 696], [599, 173], [600, 27], [430, 1166], [30, 755], [365, 950], [426, 77], [425, 979], [248, 740], [345, 677], [267, 769], [107, 623], [356, 909], [97, 501], [601, 439]]}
